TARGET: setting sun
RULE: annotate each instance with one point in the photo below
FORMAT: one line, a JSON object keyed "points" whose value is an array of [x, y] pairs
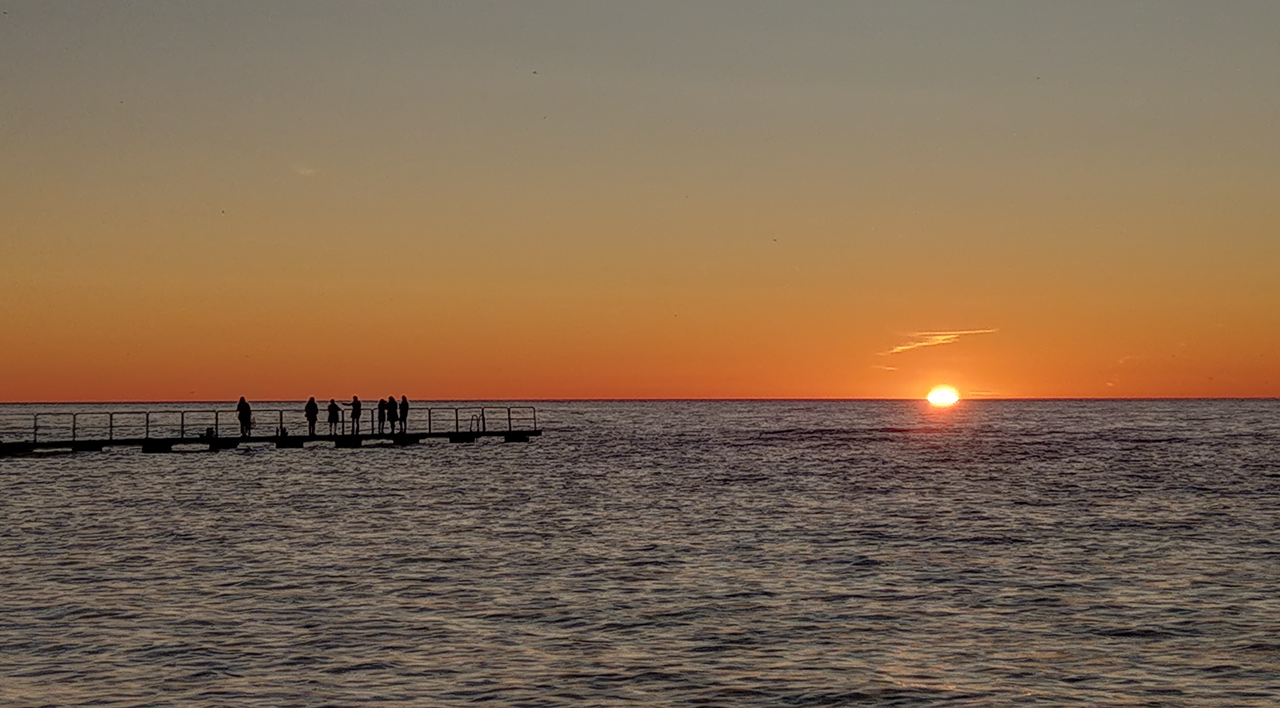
{"points": [[943, 396]]}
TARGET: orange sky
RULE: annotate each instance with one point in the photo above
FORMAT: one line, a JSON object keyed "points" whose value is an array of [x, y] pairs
{"points": [[501, 201]]}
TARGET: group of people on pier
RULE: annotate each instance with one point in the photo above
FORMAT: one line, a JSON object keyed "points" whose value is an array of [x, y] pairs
{"points": [[390, 414]]}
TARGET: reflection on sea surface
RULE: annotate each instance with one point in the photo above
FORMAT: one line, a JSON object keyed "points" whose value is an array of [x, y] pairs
{"points": [[770, 553]]}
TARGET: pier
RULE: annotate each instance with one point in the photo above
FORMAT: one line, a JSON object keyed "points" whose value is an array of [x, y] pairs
{"points": [[159, 431]]}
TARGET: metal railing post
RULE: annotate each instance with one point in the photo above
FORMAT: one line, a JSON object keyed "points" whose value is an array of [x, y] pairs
{"points": [[182, 424], [35, 427], [508, 419], [73, 426], [456, 420], [111, 426], [217, 426], [280, 427]]}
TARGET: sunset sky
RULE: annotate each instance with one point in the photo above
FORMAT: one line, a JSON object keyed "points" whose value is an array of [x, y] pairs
{"points": [[523, 200]]}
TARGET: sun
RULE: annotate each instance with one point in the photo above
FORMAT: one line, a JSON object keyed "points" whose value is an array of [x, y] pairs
{"points": [[943, 396]]}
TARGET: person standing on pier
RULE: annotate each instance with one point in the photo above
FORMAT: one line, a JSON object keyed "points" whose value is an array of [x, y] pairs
{"points": [[335, 415], [245, 415], [311, 411], [404, 414], [382, 416], [355, 415], [391, 413]]}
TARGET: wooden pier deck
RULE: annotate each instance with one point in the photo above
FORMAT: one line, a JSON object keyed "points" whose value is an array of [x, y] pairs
{"points": [[157, 431]]}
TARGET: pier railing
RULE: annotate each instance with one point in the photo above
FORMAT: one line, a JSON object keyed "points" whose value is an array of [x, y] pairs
{"points": [[481, 419], [202, 424]]}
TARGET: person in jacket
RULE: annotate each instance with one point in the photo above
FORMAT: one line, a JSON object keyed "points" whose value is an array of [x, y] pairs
{"points": [[245, 414], [355, 415]]}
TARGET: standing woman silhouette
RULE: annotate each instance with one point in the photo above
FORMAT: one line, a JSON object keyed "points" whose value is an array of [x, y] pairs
{"points": [[312, 411], [335, 415]]}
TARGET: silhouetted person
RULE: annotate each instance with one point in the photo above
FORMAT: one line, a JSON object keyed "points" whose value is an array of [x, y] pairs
{"points": [[335, 415], [392, 417], [311, 411], [404, 414], [246, 417], [382, 416], [355, 415]]}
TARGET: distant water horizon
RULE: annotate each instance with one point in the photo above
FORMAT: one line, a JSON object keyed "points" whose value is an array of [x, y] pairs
{"points": [[970, 398], [712, 552]]}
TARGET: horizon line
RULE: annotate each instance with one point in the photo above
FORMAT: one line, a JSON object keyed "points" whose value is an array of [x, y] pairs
{"points": [[677, 399]]}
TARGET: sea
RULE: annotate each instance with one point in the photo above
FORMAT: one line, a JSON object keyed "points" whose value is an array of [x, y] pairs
{"points": [[717, 553]]}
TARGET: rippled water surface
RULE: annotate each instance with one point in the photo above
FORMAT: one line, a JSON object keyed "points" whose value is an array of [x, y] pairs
{"points": [[723, 554]]}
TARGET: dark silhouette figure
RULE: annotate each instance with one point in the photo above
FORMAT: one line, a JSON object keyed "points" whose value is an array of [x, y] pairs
{"points": [[391, 413], [404, 414], [312, 412], [335, 415], [245, 415], [382, 416], [355, 415]]}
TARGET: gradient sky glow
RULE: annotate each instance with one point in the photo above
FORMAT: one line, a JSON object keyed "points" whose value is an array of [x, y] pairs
{"points": [[659, 199]]}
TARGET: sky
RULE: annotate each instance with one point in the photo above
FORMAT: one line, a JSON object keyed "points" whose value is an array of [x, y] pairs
{"points": [[595, 199]]}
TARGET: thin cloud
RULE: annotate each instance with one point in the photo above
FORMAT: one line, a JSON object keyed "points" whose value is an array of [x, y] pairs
{"points": [[933, 339], [305, 171]]}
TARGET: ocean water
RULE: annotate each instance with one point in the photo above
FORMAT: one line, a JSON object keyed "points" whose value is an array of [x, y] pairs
{"points": [[667, 553]]}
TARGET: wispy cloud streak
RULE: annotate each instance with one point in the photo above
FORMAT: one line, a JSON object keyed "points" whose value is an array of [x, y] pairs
{"points": [[933, 339]]}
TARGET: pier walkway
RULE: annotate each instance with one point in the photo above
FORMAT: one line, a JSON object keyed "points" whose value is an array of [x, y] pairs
{"points": [[179, 429]]}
